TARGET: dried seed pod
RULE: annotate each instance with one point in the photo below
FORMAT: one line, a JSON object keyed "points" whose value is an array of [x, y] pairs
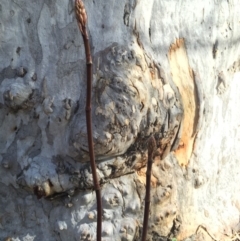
{"points": [[81, 15], [151, 146]]}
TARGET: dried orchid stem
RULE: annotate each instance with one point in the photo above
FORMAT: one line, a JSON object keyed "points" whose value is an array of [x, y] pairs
{"points": [[81, 16], [151, 149]]}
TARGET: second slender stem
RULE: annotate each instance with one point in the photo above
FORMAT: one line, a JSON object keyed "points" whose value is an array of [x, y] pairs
{"points": [[151, 150]]}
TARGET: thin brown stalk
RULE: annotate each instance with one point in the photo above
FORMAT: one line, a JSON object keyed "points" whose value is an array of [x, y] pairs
{"points": [[151, 149], [81, 16]]}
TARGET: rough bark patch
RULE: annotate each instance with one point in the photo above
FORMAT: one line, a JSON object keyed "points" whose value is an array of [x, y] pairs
{"points": [[183, 77]]}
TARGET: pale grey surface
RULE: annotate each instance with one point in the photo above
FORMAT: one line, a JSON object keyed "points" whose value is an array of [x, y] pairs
{"points": [[42, 118]]}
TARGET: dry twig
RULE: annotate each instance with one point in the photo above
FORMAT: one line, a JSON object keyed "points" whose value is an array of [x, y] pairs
{"points": [[81, 16], [151, 150]]}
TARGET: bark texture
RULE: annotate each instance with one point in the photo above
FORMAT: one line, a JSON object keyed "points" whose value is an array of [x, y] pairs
{"points": [[164, 68]]}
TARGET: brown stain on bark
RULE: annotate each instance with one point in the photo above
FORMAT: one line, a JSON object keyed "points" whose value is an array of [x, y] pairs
{"points": [[183, 77], [141, 177]]}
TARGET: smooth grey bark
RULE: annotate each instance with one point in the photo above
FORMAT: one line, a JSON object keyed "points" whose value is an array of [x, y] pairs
{"points": [[168, 68]]}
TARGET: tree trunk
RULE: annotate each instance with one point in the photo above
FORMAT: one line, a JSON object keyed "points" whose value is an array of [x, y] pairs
{"points": [[168, 69]]}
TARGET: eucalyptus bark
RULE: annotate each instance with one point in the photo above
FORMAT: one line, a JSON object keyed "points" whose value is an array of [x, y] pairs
{"points": [[163, 68]]}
